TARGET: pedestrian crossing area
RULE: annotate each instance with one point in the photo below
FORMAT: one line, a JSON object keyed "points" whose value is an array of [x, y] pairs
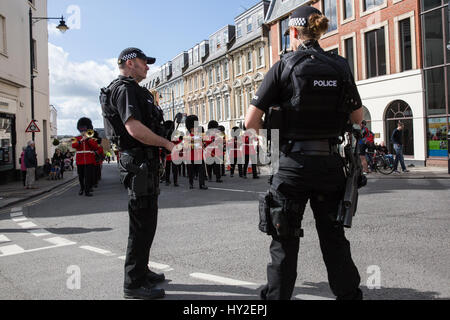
{"points": [[39, 238]]}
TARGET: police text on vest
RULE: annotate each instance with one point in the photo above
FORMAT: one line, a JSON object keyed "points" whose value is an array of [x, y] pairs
{"points": [[325, 83]]}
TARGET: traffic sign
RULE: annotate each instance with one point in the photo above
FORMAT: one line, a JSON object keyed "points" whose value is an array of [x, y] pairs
{"points": [[32, 127]]}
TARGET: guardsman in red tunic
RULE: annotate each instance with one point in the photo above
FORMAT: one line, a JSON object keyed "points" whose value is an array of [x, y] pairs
{"points": [[212, 152], [194, 143], [85, 156], [99, 157], [249, 140], [234, 151]]}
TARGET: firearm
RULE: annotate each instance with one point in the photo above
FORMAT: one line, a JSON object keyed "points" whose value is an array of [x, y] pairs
{"points": [[355, 180]]}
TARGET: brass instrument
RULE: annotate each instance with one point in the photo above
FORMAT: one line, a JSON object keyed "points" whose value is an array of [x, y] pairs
{"points": [[90, 133], [74, 140]]}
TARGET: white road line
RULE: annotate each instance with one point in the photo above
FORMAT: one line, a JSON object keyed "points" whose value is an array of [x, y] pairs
{"points": [[19, 219], [27, 225], [154, 265], [15, 249], [98, 250], [16, 214], [16, 209], [227, 281], [10, 250], [39, 232], [159, 266], [4, 238], [234, 190], [58, 241], [311, 297]]}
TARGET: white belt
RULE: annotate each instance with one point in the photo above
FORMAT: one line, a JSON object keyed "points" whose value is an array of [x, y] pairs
{"points": [[85, 152]]}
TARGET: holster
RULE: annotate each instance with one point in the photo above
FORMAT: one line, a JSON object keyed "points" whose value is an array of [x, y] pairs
{"points": [[140, 177], [279, 217]]}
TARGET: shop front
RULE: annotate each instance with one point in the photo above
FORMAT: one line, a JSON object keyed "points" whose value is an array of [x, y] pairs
{"points": [[7, 146]]}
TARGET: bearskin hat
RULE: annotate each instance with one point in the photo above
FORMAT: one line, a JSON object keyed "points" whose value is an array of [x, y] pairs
{"points": [[84, 124], [190, 121], [213, 124], [221, 128]]}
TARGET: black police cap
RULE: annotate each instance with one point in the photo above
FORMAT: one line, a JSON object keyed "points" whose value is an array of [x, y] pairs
{"points": [[132, 53], [300, 17]]}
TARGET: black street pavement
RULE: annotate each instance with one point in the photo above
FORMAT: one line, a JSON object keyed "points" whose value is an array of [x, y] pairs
{"points": [[58, 245]]}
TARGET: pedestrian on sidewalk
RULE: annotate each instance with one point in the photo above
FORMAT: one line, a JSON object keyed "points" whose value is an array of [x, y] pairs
{"points": [[30, 160], [397, 140], [23, 168]]}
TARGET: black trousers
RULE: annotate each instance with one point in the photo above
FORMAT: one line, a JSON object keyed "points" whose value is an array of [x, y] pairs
{"points": [[192, 169], [319, 179], [254, 169], [85, 176], [233, 167], [142, 229], [182, 169], [169, 165], [213, 168]]}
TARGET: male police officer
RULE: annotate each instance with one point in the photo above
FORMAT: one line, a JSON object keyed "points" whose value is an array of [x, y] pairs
{"points": [[134, 123], [307, 85]]}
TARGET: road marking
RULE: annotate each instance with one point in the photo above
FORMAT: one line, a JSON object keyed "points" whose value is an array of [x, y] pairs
{"points": [[19, 219], [27, 225], [154, 265], [98, 250], [16, 214], [52, 193], [235, 190], [227, 281], [311, 297], [39, 232], [10, 250], [16, 209], [159, 266], [58, 241], [4, 238]]}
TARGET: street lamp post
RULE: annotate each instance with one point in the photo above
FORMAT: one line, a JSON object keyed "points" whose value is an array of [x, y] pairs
{"points": [[61, 27]]}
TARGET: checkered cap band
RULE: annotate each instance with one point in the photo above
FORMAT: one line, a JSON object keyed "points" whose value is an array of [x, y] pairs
{"points": [[129, 56], [297, 22]]}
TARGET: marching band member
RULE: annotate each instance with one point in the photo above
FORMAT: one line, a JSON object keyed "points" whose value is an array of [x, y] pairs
{"points": [[85, 147]]}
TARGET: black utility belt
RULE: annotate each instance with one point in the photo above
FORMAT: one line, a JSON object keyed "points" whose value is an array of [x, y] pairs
{"points": [[141, 154], [314, 147]]}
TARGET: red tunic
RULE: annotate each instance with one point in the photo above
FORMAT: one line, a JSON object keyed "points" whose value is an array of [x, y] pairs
{"points": [[85, 151]]}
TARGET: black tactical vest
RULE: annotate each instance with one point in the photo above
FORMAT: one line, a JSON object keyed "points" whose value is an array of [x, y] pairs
{"points": [[115, 130], [316, 110]]}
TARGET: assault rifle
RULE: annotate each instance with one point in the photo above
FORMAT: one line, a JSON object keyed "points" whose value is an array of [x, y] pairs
{"points": [[355, 180]]}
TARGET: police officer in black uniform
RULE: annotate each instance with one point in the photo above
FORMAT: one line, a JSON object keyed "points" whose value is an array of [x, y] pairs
{"points": [[317, 96], [135, 124]]}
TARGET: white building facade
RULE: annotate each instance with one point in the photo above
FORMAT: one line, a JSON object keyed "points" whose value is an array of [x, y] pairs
{"points": [[15, 96]]}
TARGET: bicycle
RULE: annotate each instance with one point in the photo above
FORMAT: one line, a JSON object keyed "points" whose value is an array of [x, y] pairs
{"points": [[383, 163]]}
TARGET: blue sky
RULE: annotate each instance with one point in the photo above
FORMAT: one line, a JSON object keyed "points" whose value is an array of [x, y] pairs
{"points": [[83, 60], [160, 28]]}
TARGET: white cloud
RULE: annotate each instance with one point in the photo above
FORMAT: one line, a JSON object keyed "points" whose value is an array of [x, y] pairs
{"points": [[75, 88]]}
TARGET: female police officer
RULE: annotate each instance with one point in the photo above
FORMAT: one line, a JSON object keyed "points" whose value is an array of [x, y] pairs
{"points": [[308, 85]]}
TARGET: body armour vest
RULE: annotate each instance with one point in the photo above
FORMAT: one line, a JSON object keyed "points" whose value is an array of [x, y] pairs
{"points": [[316, 109], [115, 130]]}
